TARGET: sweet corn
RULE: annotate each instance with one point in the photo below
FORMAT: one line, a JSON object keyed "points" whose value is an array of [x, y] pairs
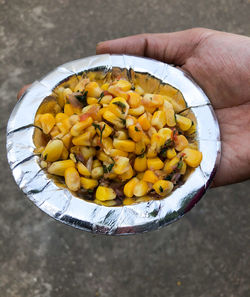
{"points": [[130, 120], [83, 139], [68, 109], [83, 170], [128, 201], [159, 119], [117, 92], [124, 85], [80, 86], [128, 174], [124, 145], [170, 117], [60, 117], [115, 152], [119, 107], [54, 132], [87, 152], [88, 183], [139, 90], [128, 189], [104, 129], [92, 100], [150, 177], [140, 175], [53, 150], [72, 157], [113, 119], [64, 126], [155, 163], [59, 167], [183, 123], [106, 99], [152, 150], [144, 122], [183, 168], [105, 193], [73, 119], [107, 203], [140, 163], [152, 100], [134, 99], [47, 121], [140, 147], [97, 172], [141, 188], [104, 157], [72, 179], [107, 145], [66, 139], [64, 154], [121, 134], [192, 157], [134, 132], [96, 163], [93, 89], [121, 165], [180, 142], [77, 129], [105, 86], [171, 165], [163, 187], [136, 111], [171, 153]]}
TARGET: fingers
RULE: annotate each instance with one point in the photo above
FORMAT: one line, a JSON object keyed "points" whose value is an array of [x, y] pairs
{"points": [[22, 90], [174, 48]]}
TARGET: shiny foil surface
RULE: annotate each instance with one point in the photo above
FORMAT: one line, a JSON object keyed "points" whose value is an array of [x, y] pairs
{"points": [[60, 204]]}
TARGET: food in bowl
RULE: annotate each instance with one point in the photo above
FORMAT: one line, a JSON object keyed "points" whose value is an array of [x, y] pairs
{"points": [[116, 138]]}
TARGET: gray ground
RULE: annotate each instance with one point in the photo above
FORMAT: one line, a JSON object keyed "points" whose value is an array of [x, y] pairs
{"points": [[205, 254]]}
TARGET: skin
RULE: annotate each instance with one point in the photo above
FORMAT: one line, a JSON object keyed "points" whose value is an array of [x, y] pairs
{"points": [[220, 63]]}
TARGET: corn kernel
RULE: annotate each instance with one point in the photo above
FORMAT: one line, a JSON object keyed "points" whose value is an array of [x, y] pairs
{"points": [[119, 107], [128, 189], [92, 100], [163, 187], [192, 157], [151, 131], [104, 157], [181, 142], [171, 165], [124, 145], [139, 90], [106, 99], [107, 144], [121, 134], [106, 131], [124, 85], [140, 163], [170, 117], [130, 120], [60, 117], [87, 152], [144, 122], [171, 153], [152, 150], [68, 109], [134, 132], [121, 165], [53, 150], [155, 163], [93, 89], [80, 86], [113, 119], [72, 179], [128, 201], [64, 126], [128, 174], [83, 170], [97, 172], [105, 193], [80, 126], [159, 119], [66, 139], [96, 163], [134, 99], [54, 132], [88, 183], [105, 86], [140, 147], [115, 152], [116, 91], [183, 168], [183, 122], [152, 100], [64, 154], [149, 176], [140, 175], [47, 121], [141, 188], [107, 203], [59, 167], [83, 139], [73, 119], [44, 164], [136, 111]]}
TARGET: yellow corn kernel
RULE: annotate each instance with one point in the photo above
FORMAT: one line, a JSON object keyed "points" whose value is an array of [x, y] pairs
{"points": [[151, 131], [68, 109], [107, 203], [39, 150], [121, 134], [66, 139], [87, 152], [64, 154], [152, 150], [124, 145], [53, 150], [105, 193], [130, 120], [115, 152], [93, 89], [104, 157], [60, 117], [72, 179], [171, 165], [128, 189], [124, 85], [166, 133], [191, 130], [107, 144], [171, 153], [80, 86], [128, 201], [73, 119], [72, 157], [181, 142], [113, 119], [183, 168], [159, 140], [119, 107], [121, 165], [96, 163], [141, 188], [37, 120], [155, 163], [105, 86], [134, 99], [106, 131], [146, 139], [47, 121], [152, 100], [44, 164], [134, 132], [62, 95], [88, 183], [54, 132], [150, 177], [97, 172], [59, 167], [80, 126], [192, 157], [140, 163], [91, 130], [163, 187], [159, 119], [83, 170], [170, 117], [143, 199], [92, 100], [183, 122], [140, 175], [64, 126], [139, 90], [116, 91], [140, 147], [136, 111], [144, 122], [128, 174], [83, 139], [106, 99]]}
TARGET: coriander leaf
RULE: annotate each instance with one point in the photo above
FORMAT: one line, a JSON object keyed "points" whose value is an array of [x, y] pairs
{"points": [[82, 98], [121, 105], [108, 169], [136, 129], [101, 96], [161, 189]]}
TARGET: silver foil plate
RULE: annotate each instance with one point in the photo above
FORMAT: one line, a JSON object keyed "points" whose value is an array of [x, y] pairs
{"points": [[60, 204]]}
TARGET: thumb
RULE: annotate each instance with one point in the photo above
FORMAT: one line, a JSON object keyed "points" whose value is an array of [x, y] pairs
{"points": [[174, 48]]}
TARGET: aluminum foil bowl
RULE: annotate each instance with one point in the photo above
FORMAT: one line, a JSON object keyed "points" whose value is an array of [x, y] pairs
{"points": [[60, 204]]}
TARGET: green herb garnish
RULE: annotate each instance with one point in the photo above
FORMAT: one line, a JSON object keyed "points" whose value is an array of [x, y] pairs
{"points": [[97, 126], [169, 177], [108, 169], [136, 129], [101, 96], [45, 157], [142, 155], [161, 189], [179, 165], [121, 105], [123, 121], [82, 98]]}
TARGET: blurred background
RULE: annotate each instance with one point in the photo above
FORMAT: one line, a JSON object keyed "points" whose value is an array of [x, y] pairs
{"points": [[206, 253]]}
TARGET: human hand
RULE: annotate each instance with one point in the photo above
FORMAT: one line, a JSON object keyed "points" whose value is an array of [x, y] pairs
{"points": [[220, 63]]}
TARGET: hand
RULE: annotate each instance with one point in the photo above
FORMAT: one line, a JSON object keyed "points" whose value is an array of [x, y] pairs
{"points": [[220, 63]]}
